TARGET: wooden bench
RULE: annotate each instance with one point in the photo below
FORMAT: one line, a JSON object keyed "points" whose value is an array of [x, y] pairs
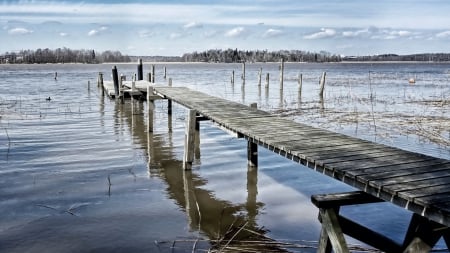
{"points": [[421, 236]]}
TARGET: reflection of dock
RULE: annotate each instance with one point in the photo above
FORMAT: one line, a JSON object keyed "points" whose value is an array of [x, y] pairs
{"points": [[413, 181]]}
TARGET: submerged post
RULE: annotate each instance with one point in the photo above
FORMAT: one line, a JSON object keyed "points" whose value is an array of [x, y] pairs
{"points": [[281, 73], [232, 77], [140, 71], [322, 84], [267, 81], [165, 72], [252, 148], [189, 140], [115, 76]]}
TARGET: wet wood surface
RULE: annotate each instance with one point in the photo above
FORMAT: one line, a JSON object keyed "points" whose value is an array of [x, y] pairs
{"points": [[413, 181]]}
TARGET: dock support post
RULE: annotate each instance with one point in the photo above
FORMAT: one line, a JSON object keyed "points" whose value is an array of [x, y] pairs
{"points": [[100, 80], [322, 84], [151, 108], [189, 140], [281, 73], [267, 81], [116, 81], [149, 77], [252, 148], [140, 71], [165, 72], [197, 136], [121, 93]]}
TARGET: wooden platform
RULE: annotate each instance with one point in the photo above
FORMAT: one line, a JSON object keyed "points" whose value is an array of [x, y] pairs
{"points": [[140, 88], [413, 181]]}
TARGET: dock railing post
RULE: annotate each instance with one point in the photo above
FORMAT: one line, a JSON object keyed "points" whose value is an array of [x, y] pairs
{"points": [[140, 71], [115, 76], [252, 148], [151, 108], [189, 140]]}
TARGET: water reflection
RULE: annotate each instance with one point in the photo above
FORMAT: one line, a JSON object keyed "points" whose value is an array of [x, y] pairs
{"points": [[220, 220]]}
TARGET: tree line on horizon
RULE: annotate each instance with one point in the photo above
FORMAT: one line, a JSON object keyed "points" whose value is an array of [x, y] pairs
{"points": [[66, 55], [63, 55], [235, 55]]}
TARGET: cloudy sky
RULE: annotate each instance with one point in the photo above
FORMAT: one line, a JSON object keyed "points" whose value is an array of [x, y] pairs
{"points": [[164, 27]]}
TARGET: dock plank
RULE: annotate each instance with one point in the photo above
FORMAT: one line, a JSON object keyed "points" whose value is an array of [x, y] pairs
{"points": [[414, 181]]}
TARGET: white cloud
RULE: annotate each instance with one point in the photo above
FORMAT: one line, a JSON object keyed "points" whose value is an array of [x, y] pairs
{"points": [[357, 33], [235, 32], [63, 34], [103, 28], [192, 25], [270, 33], [443, 35], [93, 32], [19, 31], [324, 33]]}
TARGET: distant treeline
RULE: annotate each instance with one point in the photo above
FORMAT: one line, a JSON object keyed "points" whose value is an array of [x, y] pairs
{"points": [[428, 57], [63, 55], [235, 55]]}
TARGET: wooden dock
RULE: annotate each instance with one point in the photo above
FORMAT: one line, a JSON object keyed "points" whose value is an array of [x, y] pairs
{"points": [[413, 181]]}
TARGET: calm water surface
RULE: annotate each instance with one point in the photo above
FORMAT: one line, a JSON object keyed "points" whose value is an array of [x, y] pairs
{"points": [[79, 173]]}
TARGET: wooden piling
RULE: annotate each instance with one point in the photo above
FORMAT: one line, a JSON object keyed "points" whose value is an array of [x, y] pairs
{"points": [[259, 77], [153, 74], [115, 76], [322, 84], [151, 108], [267, 81], [169, 101], [121, 94], [232, 77], [140, 71], [281, 73], [252, 148], [197, 136], [100, 80], [189, 140], [243, 73], [165, 72], [149, 77], [300, 84]]}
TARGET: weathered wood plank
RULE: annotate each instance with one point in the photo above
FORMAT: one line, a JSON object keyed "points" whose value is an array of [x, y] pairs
{"points": [[402, 177]]}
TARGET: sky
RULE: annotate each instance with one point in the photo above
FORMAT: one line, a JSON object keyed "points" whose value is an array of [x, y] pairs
{"points": [[171, 28]]}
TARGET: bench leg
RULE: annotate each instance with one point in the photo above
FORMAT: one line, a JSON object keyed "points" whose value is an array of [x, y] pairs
{"points": [[331, 232]]}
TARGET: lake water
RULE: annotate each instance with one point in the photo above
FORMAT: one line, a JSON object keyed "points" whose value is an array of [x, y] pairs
{"points": [[79, 172]]}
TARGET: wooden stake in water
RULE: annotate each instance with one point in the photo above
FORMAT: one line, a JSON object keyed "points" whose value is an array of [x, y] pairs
{"points": [[322, 84], [151, 108], [243, 73], [232, 78], [300, 84], [153, 74], [169, 101], [259, 76], [281, 73], [165, 72], [267, 81], [140, 71]]}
